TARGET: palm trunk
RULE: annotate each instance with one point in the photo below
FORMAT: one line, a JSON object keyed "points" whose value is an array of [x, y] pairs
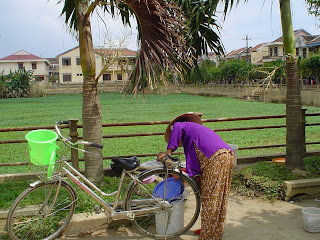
{"points": [[91, 109], [295, 138]]}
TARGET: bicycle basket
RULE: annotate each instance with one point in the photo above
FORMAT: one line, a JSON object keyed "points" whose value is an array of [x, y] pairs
{"points": [[42, 148]]}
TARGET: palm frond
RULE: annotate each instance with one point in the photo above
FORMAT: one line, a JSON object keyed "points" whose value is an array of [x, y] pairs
{"points": [[162, 37], [69, 10]]}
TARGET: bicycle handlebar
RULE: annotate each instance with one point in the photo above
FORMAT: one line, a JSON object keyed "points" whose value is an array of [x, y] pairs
{"points": [[67, 140], [170, 162]]}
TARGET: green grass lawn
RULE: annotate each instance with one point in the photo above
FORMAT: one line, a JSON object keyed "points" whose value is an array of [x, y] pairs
{"points": [[119, 108]]}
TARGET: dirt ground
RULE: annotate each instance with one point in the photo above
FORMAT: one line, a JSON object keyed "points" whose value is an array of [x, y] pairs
{"points": [[247, 219]]}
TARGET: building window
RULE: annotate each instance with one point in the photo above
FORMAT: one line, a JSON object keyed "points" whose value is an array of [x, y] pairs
{"points": [[119, 76], [122, 61], [66, 61], [66, 77], [78, 61], [20, 66], [270, 52], [106, 77], [275, 51], [39, 78], [132, 60], [34, 65]]}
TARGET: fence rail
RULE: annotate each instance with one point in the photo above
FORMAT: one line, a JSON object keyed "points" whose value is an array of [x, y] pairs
{"points": [[75, 136]]}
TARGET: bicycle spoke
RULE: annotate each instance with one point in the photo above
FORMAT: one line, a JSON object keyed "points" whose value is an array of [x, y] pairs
{"points": [[27, 217], [178, 204]]}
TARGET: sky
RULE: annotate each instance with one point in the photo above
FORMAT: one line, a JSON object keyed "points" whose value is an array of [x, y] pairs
{"points": [[35, 26]]}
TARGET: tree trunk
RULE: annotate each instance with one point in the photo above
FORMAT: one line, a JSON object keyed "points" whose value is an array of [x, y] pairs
{"points": [[295, 138], [91, 109]]}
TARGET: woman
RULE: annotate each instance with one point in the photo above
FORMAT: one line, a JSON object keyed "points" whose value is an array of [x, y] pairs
{"points": [[208, 155]]}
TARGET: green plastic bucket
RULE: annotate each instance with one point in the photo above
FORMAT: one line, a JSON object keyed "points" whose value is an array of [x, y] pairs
{"points": [[42, 148]]}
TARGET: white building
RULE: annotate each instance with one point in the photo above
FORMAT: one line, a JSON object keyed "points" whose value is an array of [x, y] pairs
{"points": [[27, 61], [113, 64]]}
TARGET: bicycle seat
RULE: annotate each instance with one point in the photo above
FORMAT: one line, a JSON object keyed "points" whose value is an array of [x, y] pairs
{"points": [[126, 163]]}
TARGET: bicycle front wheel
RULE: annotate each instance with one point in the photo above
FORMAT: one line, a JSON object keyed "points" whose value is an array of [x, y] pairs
{"points": [[166, 204], [42, 211]]}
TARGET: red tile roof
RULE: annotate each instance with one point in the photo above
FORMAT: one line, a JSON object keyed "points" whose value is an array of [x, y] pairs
{"points": [[256, 47], [21, 56], [235, 52], [299, 32]]}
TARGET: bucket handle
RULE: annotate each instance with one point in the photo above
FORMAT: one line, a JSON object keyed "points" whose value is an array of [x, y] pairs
{"points": [[52, 163]]}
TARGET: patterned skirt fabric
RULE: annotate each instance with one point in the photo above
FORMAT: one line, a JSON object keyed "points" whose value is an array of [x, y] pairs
{"points": [[216, 176]]}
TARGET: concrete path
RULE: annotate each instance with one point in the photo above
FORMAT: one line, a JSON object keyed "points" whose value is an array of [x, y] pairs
{"points": [[247, 219]]}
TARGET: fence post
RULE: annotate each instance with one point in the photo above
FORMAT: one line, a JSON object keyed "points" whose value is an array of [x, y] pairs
{"points": [[304, 149], [74, 138]]}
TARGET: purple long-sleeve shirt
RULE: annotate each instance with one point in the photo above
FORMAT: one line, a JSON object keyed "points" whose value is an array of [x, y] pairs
{"points": [[191, 134]]}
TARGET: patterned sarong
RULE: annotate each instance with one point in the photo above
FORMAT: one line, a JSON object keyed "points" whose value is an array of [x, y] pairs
{"points": [[216, 176]]}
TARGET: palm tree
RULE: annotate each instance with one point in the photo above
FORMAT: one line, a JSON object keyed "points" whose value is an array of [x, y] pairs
{"points": [[295, 149], [77, 14], [164, 42]]}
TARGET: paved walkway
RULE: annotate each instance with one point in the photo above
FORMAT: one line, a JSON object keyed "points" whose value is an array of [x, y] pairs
{"points": [[247, 219]]}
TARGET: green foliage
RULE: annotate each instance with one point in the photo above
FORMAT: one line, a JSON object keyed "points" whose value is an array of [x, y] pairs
{"points": [[313, 7], [261, 179], [236, 71], [10, 191], [265, 179], [310, 66], [53, 78], [2, 84], [269, 171], [16, 84], [312, 164], [208, 72]]}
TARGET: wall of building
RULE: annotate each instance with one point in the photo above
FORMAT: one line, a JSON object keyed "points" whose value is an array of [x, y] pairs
{"points": [[76, 73], [42, 68], [73, 69]]}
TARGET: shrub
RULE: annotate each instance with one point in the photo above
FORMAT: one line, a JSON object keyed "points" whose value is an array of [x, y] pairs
{"points": [[16, 84], [312, 164]]}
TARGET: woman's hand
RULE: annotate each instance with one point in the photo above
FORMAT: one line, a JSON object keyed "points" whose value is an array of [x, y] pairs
{"points": [[161, 156]]}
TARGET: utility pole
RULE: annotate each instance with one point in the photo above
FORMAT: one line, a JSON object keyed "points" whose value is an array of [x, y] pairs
{"points": [[247, 49]]}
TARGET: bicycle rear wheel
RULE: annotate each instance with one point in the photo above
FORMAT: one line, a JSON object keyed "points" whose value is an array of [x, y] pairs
{"points": [[41, 212], [174, 208]]}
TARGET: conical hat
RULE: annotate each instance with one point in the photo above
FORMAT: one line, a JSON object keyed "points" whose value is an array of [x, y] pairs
{"points": [[187, 117]]}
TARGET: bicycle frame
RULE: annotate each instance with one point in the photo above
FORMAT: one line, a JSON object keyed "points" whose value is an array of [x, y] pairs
{"points": [[88, 187]]}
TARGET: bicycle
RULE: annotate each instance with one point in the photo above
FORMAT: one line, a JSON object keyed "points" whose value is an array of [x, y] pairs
{"points": [[162, 203]]}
